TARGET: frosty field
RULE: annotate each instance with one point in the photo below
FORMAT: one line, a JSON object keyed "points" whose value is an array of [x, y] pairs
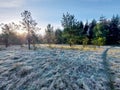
{"points": [[59, 69]]}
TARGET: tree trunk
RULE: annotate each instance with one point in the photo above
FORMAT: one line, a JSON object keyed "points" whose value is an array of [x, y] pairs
{"points": [[29, 43], [6, 43], [70, 44], [28, 36]]}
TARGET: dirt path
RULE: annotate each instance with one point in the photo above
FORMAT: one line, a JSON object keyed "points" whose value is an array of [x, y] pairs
{"points": [[107, 69]]}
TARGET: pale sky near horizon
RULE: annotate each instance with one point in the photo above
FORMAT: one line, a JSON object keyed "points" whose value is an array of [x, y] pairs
{"points": [[51, 11]]}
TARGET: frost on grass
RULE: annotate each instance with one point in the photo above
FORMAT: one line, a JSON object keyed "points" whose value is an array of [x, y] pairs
{"points": [[51, 69], [114, 61]]}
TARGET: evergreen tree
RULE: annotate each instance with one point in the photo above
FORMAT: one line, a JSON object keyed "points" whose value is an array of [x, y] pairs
{"points": [[49, 34], [72, 29], [91, 27], [85, 28], [68, 23], [79, 32], [114, 32], [58, 36], [100, 34]]}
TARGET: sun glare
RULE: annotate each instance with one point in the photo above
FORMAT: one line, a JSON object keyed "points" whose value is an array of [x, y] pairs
{"points": [[20, 32]]}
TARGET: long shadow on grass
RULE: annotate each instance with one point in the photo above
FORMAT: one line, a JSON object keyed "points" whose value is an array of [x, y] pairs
{"points": [[107, 69]]}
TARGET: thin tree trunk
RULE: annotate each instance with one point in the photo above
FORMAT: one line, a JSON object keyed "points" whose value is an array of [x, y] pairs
{"points": [[29, 43], [28, 37], [6, 43]]}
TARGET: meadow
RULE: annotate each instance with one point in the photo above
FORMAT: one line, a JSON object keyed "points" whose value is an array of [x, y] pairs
{"points": [[60, 67]]}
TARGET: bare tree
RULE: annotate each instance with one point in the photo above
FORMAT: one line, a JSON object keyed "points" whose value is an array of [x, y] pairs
{"points": [[29, 24]]}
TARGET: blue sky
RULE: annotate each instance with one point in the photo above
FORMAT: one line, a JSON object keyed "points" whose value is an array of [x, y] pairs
{"points": [[51, 11]]}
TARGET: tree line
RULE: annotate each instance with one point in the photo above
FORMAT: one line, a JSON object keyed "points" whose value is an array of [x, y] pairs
{"points": [[102, 32]]}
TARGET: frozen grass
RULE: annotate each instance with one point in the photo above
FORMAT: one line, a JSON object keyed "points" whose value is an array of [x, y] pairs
{"points": [[2, 47], [73, 47], [114, 61], [54, 69]]}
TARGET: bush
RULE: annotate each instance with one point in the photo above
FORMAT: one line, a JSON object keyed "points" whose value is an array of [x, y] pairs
{"points": [[99, 41], [85, 41]]}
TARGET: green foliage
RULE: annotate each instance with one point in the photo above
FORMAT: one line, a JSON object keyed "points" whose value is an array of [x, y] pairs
{"points": [[99, 41], [100, 31], [74, 32], [58, 36], [72, 29], [100, 34], [69, 37], [85, 41], [68, 20]]}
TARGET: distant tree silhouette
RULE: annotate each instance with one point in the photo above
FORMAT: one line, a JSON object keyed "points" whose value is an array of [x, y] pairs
{"points": [[5, 34], [34, 39], [86, 28], [14, 39], [9, 34], [49, 35], [114, 32], [91, 28]]}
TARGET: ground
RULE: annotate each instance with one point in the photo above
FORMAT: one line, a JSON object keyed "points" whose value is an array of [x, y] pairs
{"points": [[59, 69]]}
